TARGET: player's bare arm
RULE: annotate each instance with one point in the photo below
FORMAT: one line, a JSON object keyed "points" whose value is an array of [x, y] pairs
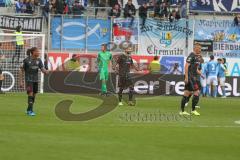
{"points": [[44, 71], [199, 72], [186, 72], [21, 77]]}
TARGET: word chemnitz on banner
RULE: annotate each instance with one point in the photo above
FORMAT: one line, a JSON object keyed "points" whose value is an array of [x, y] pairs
{"points": [[33, 24]]}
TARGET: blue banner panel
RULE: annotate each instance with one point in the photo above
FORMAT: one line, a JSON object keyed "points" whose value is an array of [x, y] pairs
{"points": [[172, 65], [215, 5], [217, 30], [80, 33]]}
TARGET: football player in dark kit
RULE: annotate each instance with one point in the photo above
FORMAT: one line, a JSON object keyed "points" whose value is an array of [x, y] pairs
{"points": [[124, 65], [30, 68], [192, 80]]}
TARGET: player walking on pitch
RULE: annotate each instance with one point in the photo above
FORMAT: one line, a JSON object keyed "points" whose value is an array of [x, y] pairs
{"points": [[29, 69], [104, 59], [192, 80], [123, 66]]}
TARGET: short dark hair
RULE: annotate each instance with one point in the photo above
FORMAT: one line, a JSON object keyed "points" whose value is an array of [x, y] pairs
{"points": [[29, 52], [18, 28], [212, 57], [33, 49], [224, 60], [155, 58]]}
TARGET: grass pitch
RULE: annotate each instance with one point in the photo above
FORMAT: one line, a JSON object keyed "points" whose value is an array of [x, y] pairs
{"points": [[150, 131]]}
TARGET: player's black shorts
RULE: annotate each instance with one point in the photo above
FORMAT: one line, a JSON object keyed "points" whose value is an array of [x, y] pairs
{"points": [[32, 87], [0, 71], [124, 81], [193, 85]]}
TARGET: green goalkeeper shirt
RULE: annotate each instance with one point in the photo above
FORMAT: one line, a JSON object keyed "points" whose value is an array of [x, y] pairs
{"points": [[103, 60]]}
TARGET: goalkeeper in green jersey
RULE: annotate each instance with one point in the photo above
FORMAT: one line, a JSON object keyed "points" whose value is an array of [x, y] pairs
{"points": [[104, 59]]}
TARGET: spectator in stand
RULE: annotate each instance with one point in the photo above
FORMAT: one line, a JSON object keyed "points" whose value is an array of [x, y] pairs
{"points": [[19, 5], [96, 4], [161, 10], [52, 6], [59, 6], [77, 8], [66, 8], [24, 7], [29, 6], [112, 3], [115, 11], [174, 16], [237, 20], [143, 13], [184, 11], [130, 11], [45, 10]]}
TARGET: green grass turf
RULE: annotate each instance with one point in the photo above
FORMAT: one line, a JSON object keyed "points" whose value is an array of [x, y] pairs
{"points": [[212, 136]]}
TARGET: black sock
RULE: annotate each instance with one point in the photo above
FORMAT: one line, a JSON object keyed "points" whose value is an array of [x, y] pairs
{"points": [[184, 100], [188, 98], [0, 85], [30, 103], [33, 99], [120, 95], [194, 102], [130, 94]]}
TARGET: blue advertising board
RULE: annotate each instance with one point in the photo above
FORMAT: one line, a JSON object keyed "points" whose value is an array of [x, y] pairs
{"points": [[224, 34], [80, 33], [216, 30], [172, 65]]}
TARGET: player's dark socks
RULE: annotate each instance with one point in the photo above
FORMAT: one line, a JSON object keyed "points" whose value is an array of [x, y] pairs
{"points": [[188, 98], [120, 95], [30, 103], [33, 99], [130, 94], [195, 101], [183, 102], [0, 85]]}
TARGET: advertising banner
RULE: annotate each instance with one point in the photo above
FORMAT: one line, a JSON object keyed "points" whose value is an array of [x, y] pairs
{"points": [[33, 24], [216, 30], [215, 5], [222, 37], [80, 33], [88, 62], [230, 50], [123, 31], [164, 38], [144, 84]]}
